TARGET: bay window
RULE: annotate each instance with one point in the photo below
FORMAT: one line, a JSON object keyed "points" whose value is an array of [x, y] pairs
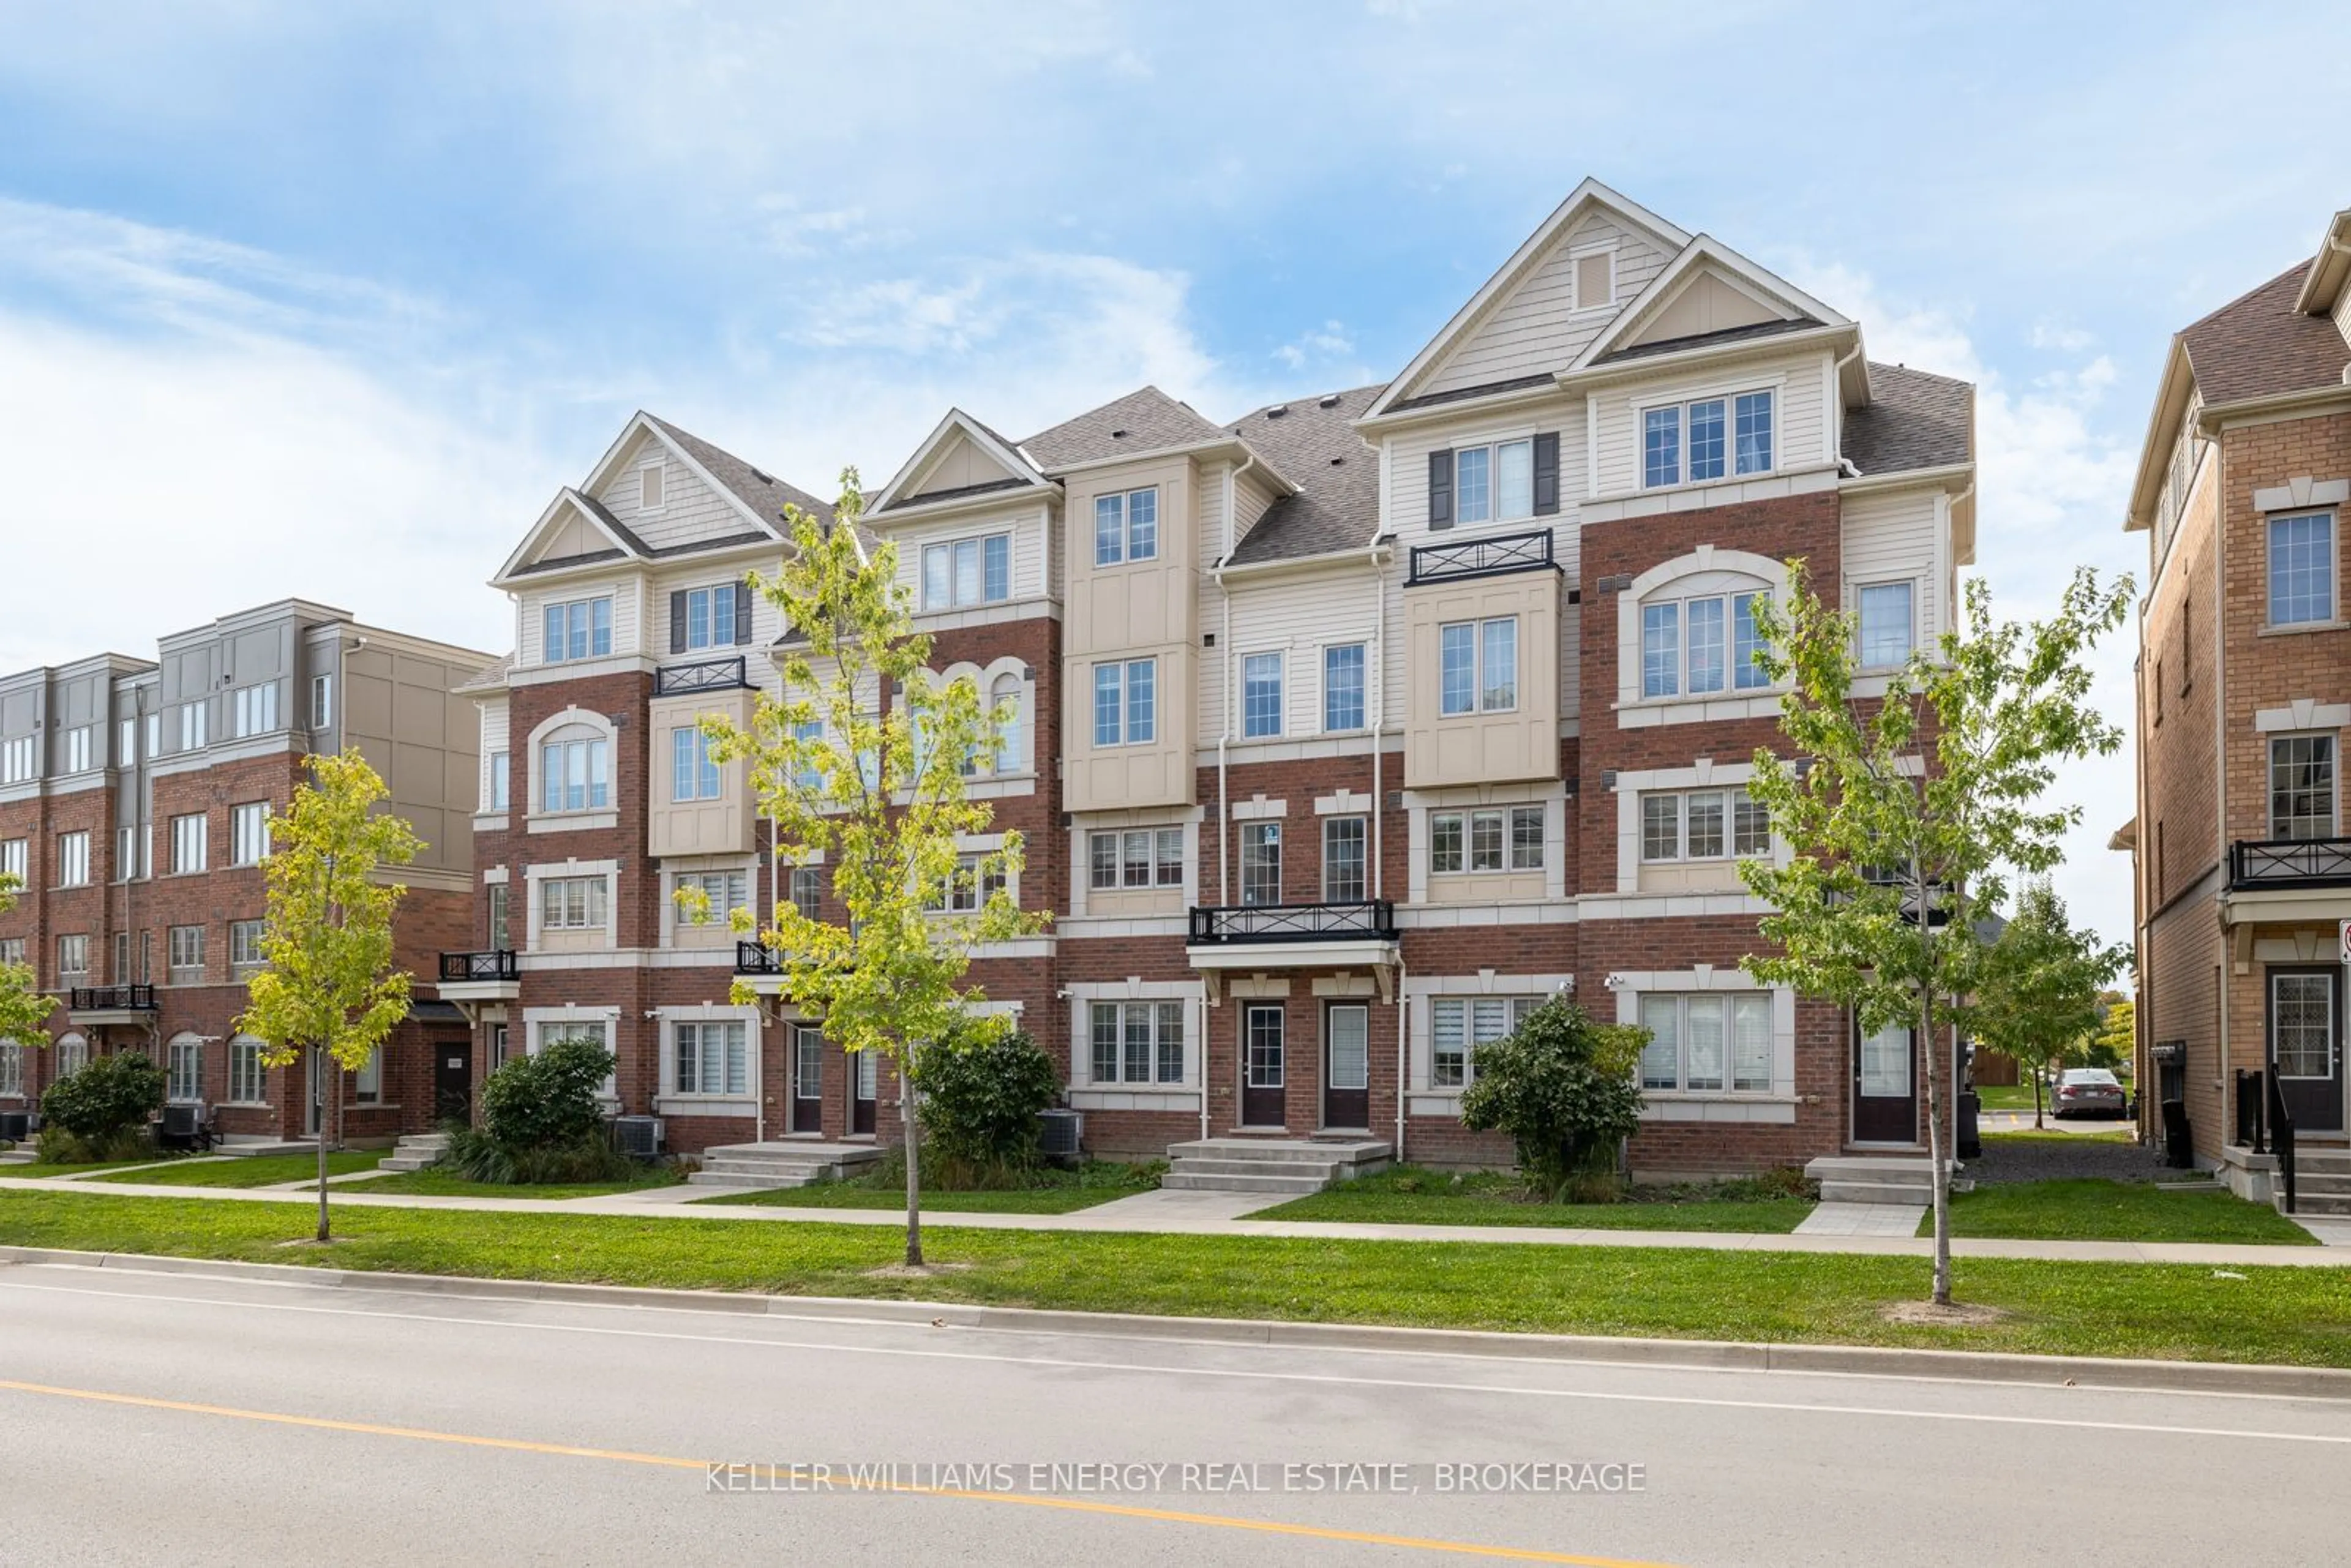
{"points": [[1127, 526], [693, 772], [1126, 702], [1478, 665]]}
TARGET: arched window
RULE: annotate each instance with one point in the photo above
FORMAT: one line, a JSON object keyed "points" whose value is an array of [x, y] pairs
{"points": [[1688, 627], [183, 1070], [575, 769], [73, 1054], [12, 1069], [1010, 751]]}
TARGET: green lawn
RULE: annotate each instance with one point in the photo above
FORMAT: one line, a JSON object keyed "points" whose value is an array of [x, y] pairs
{"points": [[2123, 1133], [429, 1183], [1407, 1195], [2006, 1096], [2097, 1210], [1098, 1183], [38, 1169], [2179, 1312], [260, 1170]]}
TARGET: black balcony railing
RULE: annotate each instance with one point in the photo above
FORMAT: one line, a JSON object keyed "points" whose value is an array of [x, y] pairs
{"points": [[2289, 863], [702, 676], [753, 958], [111, 999], [493, 964], [1369, 920], [1490, 555]]}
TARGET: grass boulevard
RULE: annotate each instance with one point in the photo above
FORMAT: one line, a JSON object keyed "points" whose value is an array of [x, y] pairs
{"points": [[2285, 1316]]}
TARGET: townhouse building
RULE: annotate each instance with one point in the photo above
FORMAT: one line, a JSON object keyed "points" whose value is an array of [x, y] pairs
{"points": [[1351, 730], [2242, 868], [136, 797]]}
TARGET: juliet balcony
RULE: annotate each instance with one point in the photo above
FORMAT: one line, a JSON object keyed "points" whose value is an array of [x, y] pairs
{"points": [[489, 974], [725, 674], [90, 1005], [1487, 554], [1360, 934]]}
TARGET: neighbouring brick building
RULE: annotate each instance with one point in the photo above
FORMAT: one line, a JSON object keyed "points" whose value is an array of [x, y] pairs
{"points": [[2242, 865], [135, 802], [1350, 729]]}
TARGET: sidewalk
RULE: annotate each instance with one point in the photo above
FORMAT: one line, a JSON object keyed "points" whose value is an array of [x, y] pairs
{"points": [[1172, 1213]]}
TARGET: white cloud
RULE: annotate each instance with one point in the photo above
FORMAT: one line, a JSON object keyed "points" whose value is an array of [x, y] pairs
{"points": [[1328, 342]]}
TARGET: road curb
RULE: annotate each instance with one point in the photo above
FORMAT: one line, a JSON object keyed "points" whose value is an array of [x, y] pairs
{"points": [[1861, 1361]]}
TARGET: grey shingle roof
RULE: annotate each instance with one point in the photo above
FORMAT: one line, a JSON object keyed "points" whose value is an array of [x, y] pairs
{"points": [[1462, 395], [621, 531], [763, 493], [1144, 421], [2259, 345], [1011, 482], [1914, 420], [1707, 339], [1337, 506]]}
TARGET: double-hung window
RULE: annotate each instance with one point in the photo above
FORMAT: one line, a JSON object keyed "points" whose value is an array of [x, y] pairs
{"points": [[693, 772], [73, 955], [195, 725], [1126, 702], [73, 859], [1342, 686], [1508, 839], [727, 890], [1701, 646], [1137, 1042], [500, 917], [12, 1069], [1345, 855], [501, 780], [1135, 858], [322, 702], [1478, 665], [1705, 438], [13, 859], [253, 710], [1704, 824], [1708, 1043], [2302, 570], [712, 1057], [2302, 786], [712, 614], [126, 743], [1494, 484], [1260, 696], [244, 953], [248, 833], [1887, 634], [808, 892], [961, 572], [1460, 1025], [184, 1070], [184, 952], [975, 878], [579, 629], [367, 1083], [1127, 526], [571, 904], [1260, 863], [248, 1080], [78, 748], [575, 774], [20, 759]]}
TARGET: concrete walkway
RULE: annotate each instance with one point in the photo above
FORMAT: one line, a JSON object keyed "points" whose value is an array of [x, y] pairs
{"points": [[1863, 1220], [1171, 1213]]}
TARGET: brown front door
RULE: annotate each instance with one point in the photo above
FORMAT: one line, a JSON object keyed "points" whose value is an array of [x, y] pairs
{"points": [[1886, 1087], [865, 1080], [1262, 1080], [808, 1078], [2305, 1041], [1347, 1065]]}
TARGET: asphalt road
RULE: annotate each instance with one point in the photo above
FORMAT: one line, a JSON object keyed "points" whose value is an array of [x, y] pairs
{"points": [[153, 1417]]}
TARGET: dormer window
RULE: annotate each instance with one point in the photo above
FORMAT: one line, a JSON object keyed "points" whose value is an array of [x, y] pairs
{"points": [[1127, 526], [652, 480], [1694, 439]]}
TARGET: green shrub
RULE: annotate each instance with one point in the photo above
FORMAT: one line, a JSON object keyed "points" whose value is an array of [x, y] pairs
{"points": [[980, 1101], [1563, 1088], [547, 1101], [110, 1097], [58, 1146], [477, 1156]]}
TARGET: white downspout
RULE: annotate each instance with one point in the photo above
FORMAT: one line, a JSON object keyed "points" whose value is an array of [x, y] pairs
{"points": [[1224, 739], [1379, 684], [759, 1057]]}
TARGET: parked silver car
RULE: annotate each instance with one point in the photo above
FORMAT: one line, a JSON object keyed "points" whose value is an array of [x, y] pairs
{"points": [[2088, 1091]]}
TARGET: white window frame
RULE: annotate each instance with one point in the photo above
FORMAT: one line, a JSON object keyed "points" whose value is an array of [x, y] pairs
{"points": [[126, 743], [1362, 652], [183, 952], [693, 773], [1361, 825], [248, 832], [246, 956], [78, 748], [2331, 577], [1685, 1082], [322, 702], [1251, 714], [1732, 458], [555, 757], [1732, 797], [183, 1070], [1122, 538], [1470, 1021], [1465, 821], [566, 611], [1122, 690], [249, 1076], [367, 1080], [73, 954], [190, 843], [1861, 592], [584, 903], [73, 859], [1576, 257], [944, 589], [1162, 872], [653, 486], [1493, 510], [1738, 677], [501, 781], [14, 856], [1256, 837], [20, 759], [721, 1042], [1481, 684], [12, 1069], [1138, 1025], [728, 889], [253, 710], [195, 725]]}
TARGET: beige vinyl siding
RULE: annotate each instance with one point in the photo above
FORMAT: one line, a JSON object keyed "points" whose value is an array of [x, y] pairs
{"points": [[1134, 611], [494, 729], [691, 512], [1251, 498], [1888, 538], [959, 467], [1796, 379], [624, 594], [1296, 617], [1407, 475], [1532, 328]]}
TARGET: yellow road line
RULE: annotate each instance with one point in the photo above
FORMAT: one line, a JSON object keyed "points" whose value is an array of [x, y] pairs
{"points": [[667, 1461]]}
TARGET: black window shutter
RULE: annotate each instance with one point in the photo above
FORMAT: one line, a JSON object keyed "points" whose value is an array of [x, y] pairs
{"points": [[1547, 474], [678, 622], [742, 613], [1440, 490]]}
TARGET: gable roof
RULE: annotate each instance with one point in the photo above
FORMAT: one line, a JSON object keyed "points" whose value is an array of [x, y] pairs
{"points": [[1913, 420], [1585, 198], [1312, 442], [2260, 345], [1020, 473], [1144, 421], [569, 503], [1705, 253], [760, 493]]}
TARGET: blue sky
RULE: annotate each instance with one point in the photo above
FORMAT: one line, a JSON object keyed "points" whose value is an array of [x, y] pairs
{"points": [[329, 299]]}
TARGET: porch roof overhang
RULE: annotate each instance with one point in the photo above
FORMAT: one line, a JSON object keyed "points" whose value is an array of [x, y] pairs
{"points": [[98, 1018], [1382, 958], [464, 993], [2249, 906]]}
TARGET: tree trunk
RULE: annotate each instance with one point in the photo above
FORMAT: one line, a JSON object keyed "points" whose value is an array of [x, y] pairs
{"points": [[1935, 1149], [2036, 1096], [318, 1103], [912, 1126]]}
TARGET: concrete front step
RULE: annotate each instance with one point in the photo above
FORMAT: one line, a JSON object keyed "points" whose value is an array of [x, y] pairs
{"points": [[760, 1167], [1271, 1165], [2322, 1204], [1181, 1179], [1872, 1178], [416, 1151]]}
